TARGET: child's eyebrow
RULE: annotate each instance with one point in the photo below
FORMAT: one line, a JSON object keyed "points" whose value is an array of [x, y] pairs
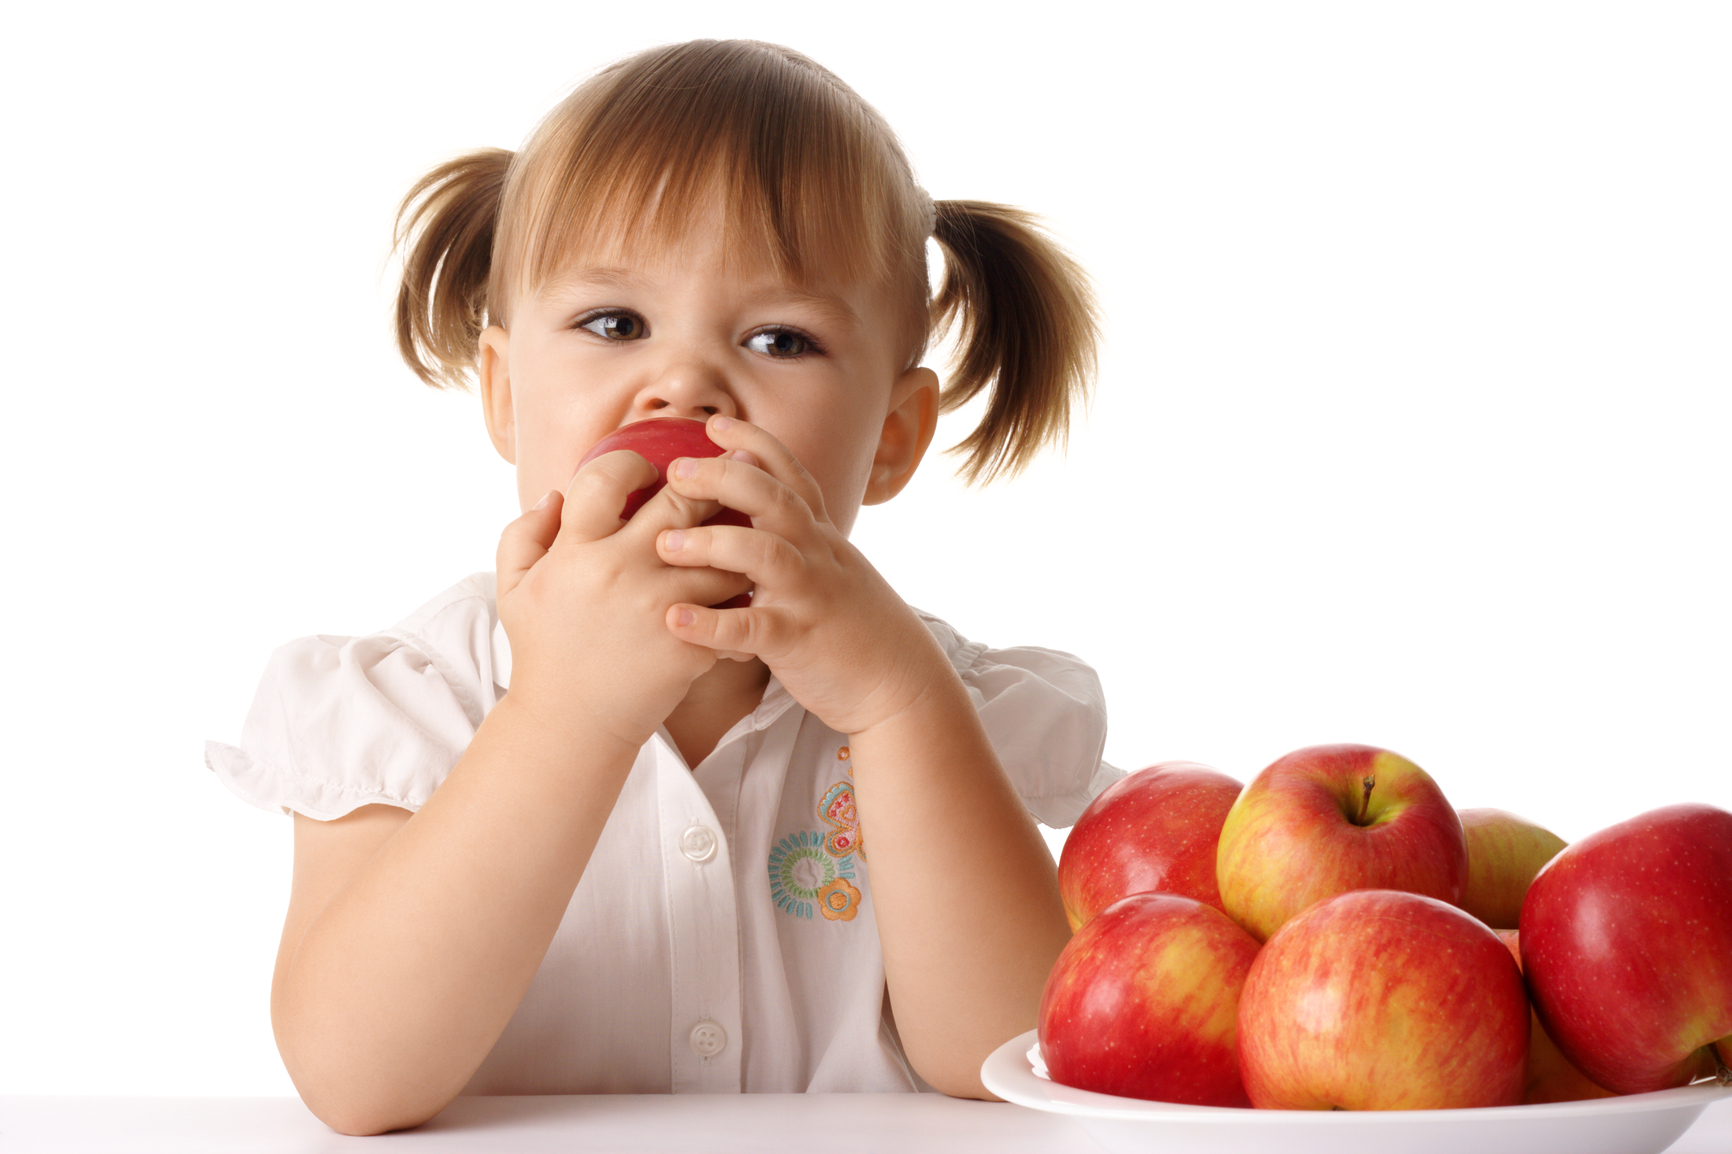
{"points": [[829, 306], [615, 278]]}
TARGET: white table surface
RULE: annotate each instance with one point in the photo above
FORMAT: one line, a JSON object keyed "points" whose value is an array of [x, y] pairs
{"points": [[628, 1124]]}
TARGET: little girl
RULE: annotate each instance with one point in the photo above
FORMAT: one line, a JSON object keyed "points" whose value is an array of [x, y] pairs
{"points": [[566, 829]]}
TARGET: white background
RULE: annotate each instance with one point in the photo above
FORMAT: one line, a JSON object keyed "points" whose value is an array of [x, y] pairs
{"points": [[1412, 427]]}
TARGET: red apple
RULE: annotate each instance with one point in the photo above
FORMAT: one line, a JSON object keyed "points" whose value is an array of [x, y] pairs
{"points": [[1550, 1076], [1154, 829], [1333, 818], [1143, 1002], [1627, 940], [1383, 1000], [660, 441], [1504, 852]]}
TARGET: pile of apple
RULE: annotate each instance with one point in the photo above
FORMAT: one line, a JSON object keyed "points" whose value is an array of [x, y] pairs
{"points": [[1335, 935]]}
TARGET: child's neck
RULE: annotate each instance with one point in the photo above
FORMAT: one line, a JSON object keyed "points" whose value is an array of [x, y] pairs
{"points": [[718, 699]]}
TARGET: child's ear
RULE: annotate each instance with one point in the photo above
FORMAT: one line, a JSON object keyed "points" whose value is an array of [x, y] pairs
{"points": [[494, 370], [908, 430]]}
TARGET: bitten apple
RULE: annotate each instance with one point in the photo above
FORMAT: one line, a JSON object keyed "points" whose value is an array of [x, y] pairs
{"points": [[1154, 829], [661, 441], [1627, 940], [1143, 1003], [1382, 1000], [1332, 818], [1504, 852], [1550, 1076]]}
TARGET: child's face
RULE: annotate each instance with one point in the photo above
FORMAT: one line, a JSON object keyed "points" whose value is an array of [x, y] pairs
{"points": [[678, 333]]}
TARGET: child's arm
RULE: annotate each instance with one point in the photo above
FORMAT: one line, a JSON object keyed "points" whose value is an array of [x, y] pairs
{"points": [[965, 890], [410, 940]]}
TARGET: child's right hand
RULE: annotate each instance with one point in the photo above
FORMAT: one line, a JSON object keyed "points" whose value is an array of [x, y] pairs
{"points": [[584, 596]]}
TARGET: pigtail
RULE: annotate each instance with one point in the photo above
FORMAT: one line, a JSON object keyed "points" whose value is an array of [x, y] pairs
{"points": [[445, 235], [1029, 326]]}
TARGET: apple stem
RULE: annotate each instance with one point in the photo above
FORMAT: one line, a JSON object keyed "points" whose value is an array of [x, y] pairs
{"points": [[1721, 1074], [1365, 799]]}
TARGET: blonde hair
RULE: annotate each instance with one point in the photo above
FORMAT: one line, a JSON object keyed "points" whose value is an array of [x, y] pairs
{"points": [[810, 175]]}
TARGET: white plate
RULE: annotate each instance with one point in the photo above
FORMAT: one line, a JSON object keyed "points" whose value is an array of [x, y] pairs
{"points": [[1633, 1124]]}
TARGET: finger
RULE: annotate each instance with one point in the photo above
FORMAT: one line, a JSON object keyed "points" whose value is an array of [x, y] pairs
{"points": [[774, 458], [700, 586], [527, 539], [731, 631], [735, 484], [670, 508], [766, 558], [598, 491]]}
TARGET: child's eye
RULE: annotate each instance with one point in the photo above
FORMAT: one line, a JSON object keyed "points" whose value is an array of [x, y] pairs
{"points": [[615, 326], [782, 343]]}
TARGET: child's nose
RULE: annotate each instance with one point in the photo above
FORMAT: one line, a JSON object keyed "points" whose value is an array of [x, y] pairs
{"points": [[687, 388]]}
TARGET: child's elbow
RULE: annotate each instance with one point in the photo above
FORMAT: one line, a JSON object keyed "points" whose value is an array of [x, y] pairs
{"points": [[357, 1089], [966, 1088], [953, 1078], [358, 1102], [363, 1118]]}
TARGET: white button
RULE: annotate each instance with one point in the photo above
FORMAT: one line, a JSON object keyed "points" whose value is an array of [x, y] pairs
{"points": [[708, 1039], [699, 844]]}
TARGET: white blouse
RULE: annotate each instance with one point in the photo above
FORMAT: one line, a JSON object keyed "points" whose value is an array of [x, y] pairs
{"points": [[722, 938]]}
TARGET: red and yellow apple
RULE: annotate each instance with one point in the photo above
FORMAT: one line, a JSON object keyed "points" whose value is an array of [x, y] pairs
{"points": [[1143, 1003], [1383, 1000], [1151, 830], [1626, 937], [1504, 852], [1550, 1076], [1332, 818]]}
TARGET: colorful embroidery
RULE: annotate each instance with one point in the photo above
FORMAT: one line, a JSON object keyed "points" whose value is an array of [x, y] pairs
{"points": [[837, 810], [800, 869], [816, 869], [839, 901]]}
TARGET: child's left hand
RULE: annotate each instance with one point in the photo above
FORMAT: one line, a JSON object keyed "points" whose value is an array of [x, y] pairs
{"points": [[828, 625]]}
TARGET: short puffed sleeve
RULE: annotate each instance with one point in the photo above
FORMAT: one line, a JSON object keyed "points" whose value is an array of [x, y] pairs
{"points": [[342, 722], [1046, 716]]}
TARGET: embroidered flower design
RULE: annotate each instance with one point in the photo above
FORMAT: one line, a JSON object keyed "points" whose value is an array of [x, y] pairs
{"points": [[838, 811], [800, 869], [839, 901]]}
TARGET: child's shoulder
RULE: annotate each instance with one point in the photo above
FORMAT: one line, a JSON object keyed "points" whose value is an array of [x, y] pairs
{"points": [[471, 599], [338, 722], [985, 668], [455, 634], [1046, 714]]}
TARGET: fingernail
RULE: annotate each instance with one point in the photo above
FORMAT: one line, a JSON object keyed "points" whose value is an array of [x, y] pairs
{"points": [[720, 423], [675, 541], [542, 504], [683, 468], [743, 455], [685, 617]]}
